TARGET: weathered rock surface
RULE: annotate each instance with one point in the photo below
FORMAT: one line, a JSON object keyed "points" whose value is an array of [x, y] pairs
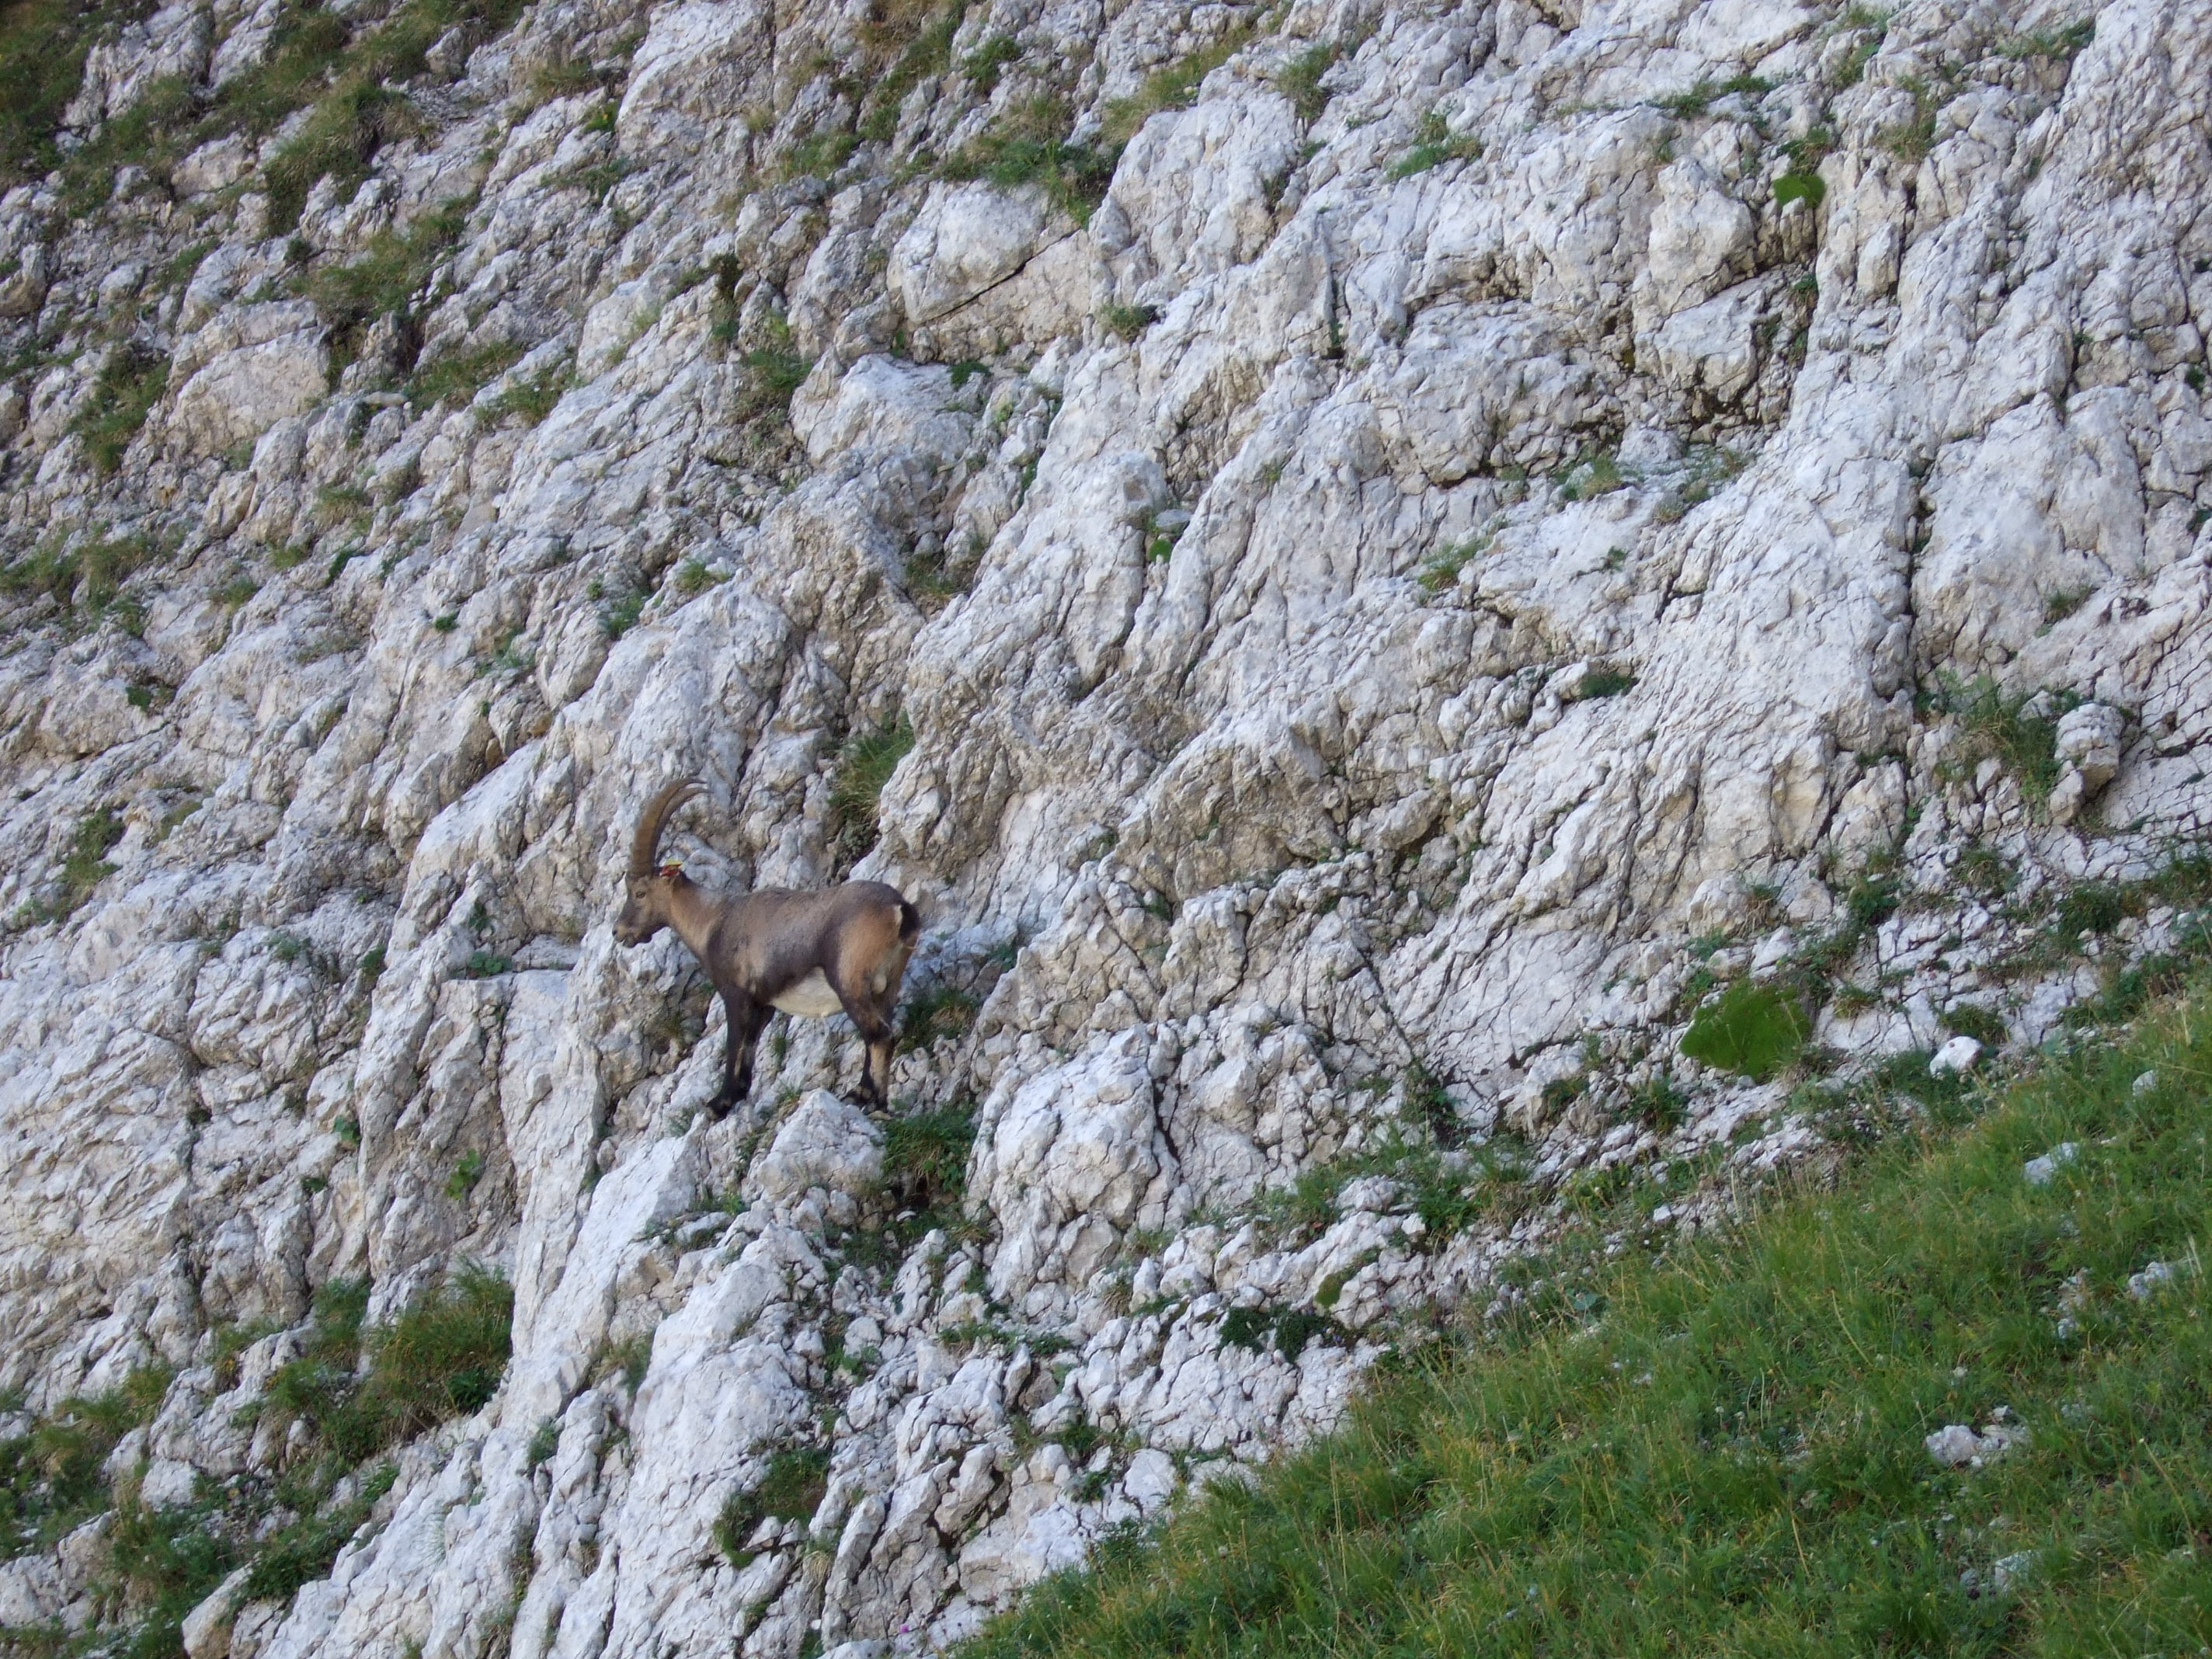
{"points": [[1477, 526]]}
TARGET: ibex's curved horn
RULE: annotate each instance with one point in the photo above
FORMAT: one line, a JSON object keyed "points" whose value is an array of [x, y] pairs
{"points": [[645, 844]]}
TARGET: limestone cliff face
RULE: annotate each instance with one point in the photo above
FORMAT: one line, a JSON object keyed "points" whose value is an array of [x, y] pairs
{"points": [[1411, 543]]}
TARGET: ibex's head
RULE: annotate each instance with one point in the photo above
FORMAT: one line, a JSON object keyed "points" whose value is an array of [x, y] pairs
{"points": [[646, 890]]}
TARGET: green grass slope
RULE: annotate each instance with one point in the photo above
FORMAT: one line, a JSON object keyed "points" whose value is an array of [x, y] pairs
{"points": [[1725, 1455]]}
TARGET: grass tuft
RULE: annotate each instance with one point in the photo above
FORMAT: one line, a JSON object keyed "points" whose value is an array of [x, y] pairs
{"points": [[1435, 144], [926, 1156], [1993, 722], [939, 1013], [131, 383], [1026, 147], [865, 765], [52, 1477], [1300, 79], [791, 1490]]}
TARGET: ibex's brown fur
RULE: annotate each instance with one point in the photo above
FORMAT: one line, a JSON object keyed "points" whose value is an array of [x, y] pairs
{"points": [[805, 953]]}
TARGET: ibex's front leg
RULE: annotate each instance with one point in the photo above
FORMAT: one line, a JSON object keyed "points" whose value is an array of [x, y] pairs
{"points": [[875, 1027], [746, 1019]]}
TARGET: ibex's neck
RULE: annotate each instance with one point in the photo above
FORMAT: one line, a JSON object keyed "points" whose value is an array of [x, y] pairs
{"points": [[692, 912]]}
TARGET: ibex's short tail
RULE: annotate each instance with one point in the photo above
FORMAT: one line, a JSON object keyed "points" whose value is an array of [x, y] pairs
{"points": [[909, 921]]}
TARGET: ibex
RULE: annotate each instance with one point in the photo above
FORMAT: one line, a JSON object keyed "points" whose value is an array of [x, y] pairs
{"points": [[805, 953]]}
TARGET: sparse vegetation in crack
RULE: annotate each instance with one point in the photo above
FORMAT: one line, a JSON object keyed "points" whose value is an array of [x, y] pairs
{"points": [[790, 1488], [2019, 730], [1028, 145], [1434, 144]]}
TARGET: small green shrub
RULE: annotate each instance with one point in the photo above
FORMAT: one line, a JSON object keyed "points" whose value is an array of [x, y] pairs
{"points": [[1706, 467], [1161, 533], [935, 577], [353, 82], [1690, 105], [1983, 872], [820, 157], [1604, 681], [340, 140], [1985, 1025], [162, 1563], [465, 1174], [302, 1551], [1754, 1030], [630, 1360], [563, 78], [916, 42], [544, 1442], [776, 373], [1129, 321], [1441, 569], [1912, 139], [52, 1477], [1993, 722], [487, 965], [693, 578], [865, 765], [441, 1358], [1594, 473], [2056, 45], [620, 614], [84, 866], [1286, 1331], [1658, 1104], [2062, 603], [42, 48], [1174, 87], [1807, 187], [530, 399]]}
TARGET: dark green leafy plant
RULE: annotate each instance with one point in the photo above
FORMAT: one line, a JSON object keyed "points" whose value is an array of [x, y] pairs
{"points": [[981, 66], [1755, 1029], [52, 1477]]}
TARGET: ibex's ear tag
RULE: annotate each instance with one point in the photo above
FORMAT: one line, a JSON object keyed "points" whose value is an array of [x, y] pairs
{"points": [[672, 869]]}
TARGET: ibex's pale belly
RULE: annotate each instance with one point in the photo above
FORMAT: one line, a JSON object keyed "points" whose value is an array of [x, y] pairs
{"points": [[812, 997]]}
